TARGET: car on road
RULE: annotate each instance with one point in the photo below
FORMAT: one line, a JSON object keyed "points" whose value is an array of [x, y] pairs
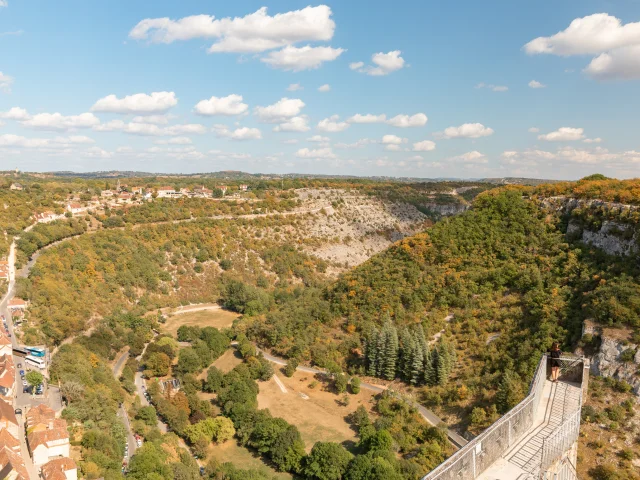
{"points": [[24, 382], [202, 471], [22, 373], [39, 390], [18, 411]]}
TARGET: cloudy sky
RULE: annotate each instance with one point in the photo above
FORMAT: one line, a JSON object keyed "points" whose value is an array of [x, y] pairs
{"points": [[430, 89]]}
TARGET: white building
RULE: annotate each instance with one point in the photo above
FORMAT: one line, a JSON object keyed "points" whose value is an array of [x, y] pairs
{"points": [[48, 444]]}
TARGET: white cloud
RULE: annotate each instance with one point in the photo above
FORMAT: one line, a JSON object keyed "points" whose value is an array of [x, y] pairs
{"points": [[424, 146], [392, 147], [187, 128], [592, 140], [317, 153], [617, 46], [304, 58], [140, 103], [149, 129], [155, 119], [467, 130], [294, 124], [474, 157], [534, 130], [57, 121], [536, 84], [619, 64], [5, 82], [385, 63], [243, 133], [175, 141], [324, 88], [332, 124], [4, 3], [367, 118], [563, 134], [291, 141], [15, 113], [280, 111], [570, 155], [592, 34], [294, 87], [229, 105], [405, 121], [318, 138], [358, 144], [10, 140], [253, 33], [493, 88], [393, 140]]}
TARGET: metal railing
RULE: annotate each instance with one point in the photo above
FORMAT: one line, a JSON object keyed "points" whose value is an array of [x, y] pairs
{"points": [[475, 457], [560, 440]]}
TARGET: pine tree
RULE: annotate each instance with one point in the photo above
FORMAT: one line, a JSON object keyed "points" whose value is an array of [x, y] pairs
{"points": [[371, 352], [417, 366], [389, 361], [405, 357], [429, 368], [442, 372]]}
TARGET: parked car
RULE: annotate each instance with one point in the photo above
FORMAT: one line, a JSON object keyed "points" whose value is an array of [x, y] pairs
{"points": [[24, 383], [21, 371], [18, 411], [39, 390]]}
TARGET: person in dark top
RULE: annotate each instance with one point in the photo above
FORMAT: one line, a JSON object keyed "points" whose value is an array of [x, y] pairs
{"points": [[555, 361]]}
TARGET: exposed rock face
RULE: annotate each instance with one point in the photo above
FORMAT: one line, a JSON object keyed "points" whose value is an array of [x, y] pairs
{"points": [[607, 362], [609, 238], [613, 237], [446, 210]]}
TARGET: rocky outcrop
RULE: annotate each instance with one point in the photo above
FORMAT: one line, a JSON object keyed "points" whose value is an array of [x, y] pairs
{"points": [[608, 362], [446, 209], [612, 235]]}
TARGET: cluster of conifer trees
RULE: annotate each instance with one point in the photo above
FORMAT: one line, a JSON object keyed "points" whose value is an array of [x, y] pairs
{"points": [[407, 355]]}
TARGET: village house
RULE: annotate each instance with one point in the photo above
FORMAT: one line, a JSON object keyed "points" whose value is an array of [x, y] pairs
{"points": [[6, 348], [16, 186], [12, 466], [48, 444], [203, 191], [7, 376], [9, 441], [46, 217], [164, 192], [17, 304], [126, 196], [107, 193], [224, 189], [185, 192], [4, 270], [137, 190], [8, 419], [60, 469], [243, 188], [75, 208], [43, 417]]}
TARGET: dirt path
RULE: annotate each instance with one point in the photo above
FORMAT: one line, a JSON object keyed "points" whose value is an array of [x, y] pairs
{"points": [[280, 384]]}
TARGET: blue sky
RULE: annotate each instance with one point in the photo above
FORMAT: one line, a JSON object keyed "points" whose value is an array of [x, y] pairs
{"points": [[449, 87]]}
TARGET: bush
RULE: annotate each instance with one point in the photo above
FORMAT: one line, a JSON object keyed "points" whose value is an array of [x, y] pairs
{"points": [[355, 385]]}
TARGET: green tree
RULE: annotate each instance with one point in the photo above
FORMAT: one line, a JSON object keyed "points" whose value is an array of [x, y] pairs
{"points": [[35, 379], [355, 385], [147, 415], [327, 461], [291, 367], [510, 391], [188, 361]]}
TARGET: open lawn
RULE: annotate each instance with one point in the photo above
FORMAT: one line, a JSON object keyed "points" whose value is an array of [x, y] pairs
{"points": [[317, 413], [243, 458], [213, 316], [228, 360]]}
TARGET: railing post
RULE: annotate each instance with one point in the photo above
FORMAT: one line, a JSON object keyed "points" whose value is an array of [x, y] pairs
{"points": [[509, 434]]}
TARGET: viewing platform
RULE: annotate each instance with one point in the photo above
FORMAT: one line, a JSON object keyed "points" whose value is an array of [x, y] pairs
{"points": [[534, 440]]}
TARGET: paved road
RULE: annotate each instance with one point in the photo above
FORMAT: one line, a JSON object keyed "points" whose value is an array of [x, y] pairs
{"points": [[122, 412]]}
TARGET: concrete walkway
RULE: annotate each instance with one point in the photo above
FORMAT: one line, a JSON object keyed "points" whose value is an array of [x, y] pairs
{"points": [[523, 460]]}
